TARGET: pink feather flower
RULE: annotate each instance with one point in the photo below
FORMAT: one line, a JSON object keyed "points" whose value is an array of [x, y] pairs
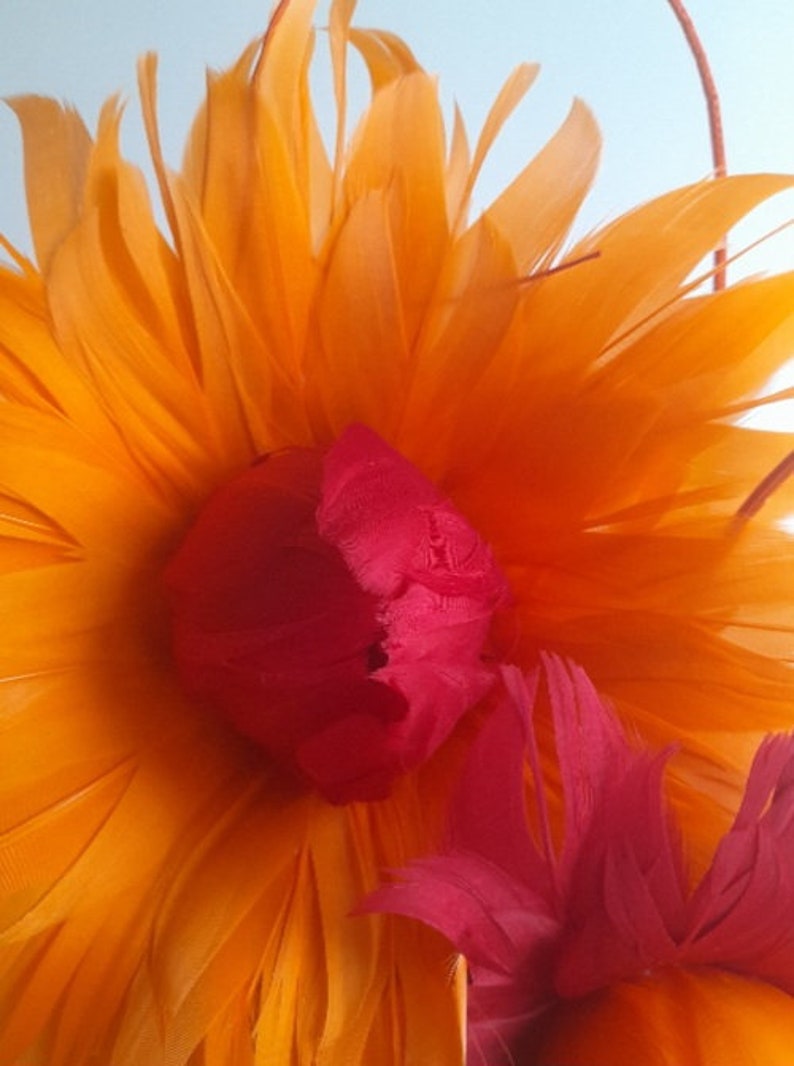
{"points": [[555, 914]]}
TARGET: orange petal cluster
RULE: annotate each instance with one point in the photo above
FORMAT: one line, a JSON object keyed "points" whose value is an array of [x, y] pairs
{"points": [[166, 897], [678, 1018]]}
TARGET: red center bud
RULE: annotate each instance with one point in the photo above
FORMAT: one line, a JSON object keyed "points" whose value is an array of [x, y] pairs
{"points": [[334, 608]]}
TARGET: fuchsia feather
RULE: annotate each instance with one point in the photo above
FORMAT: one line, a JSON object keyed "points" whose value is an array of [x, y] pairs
{"points": [[540, 924]]}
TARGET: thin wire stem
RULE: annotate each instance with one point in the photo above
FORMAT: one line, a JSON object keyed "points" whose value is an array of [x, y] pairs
{"points": [[714, 116], [766, 488]]}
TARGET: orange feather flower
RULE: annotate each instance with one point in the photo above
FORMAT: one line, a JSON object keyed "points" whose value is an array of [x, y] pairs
{"points": [[170, 892]]}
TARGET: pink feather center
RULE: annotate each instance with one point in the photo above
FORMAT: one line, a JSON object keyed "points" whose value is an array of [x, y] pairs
{"points": [[334, 608]]}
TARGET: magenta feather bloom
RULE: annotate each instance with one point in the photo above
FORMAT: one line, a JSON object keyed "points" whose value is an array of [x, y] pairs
{"points": [[552, 911]]}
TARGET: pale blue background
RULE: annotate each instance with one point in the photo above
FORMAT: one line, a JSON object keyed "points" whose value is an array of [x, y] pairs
{"points": [[626, 58]]}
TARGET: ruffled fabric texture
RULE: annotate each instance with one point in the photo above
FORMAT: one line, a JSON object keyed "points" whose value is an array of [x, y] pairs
{"points": [[168, 894], [336, 609]]}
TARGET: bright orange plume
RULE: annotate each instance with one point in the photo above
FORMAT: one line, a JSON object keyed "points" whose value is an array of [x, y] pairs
{"points": [[167, 898], [678, 1018]]}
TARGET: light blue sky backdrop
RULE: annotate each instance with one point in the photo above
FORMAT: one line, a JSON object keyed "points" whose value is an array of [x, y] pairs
{"points": [[626, 58]]}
